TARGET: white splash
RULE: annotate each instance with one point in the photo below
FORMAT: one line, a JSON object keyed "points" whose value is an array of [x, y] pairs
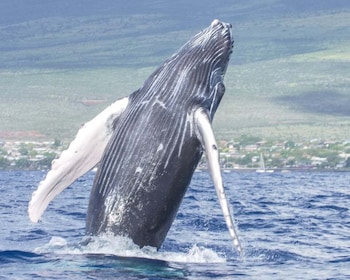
{"points": [[124, 247]]}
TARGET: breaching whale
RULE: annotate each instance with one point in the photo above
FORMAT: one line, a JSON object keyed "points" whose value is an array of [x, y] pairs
{"points": [[148, 146]]}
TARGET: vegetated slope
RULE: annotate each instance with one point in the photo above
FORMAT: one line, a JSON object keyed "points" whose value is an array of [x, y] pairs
{"points": [[62, 62]]}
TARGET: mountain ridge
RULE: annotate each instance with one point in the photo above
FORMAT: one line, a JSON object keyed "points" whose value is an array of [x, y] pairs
{"points": [[61, 54]]}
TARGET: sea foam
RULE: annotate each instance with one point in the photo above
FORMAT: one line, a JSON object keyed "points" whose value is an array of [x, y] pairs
{"points": [[124, 247]]}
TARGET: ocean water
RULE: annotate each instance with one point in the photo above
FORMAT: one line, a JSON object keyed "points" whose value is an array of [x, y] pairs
{"points": [[292, 226]]}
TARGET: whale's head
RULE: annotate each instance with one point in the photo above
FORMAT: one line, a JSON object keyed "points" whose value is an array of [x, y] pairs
{"points": [[208, 55], [210, 49], [194, 74]]}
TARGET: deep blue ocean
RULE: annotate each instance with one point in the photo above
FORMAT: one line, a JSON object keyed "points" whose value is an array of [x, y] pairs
{"points": [[292, 226]]}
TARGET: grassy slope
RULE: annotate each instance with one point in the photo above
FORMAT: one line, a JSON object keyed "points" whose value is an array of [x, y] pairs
{"points": [[288, 75]]}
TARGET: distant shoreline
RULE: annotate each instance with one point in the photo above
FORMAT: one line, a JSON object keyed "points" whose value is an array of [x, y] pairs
{"points": [[223, 170], [277, 170]]}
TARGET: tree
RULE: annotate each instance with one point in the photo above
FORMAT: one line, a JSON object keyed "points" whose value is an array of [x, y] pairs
{"points": [[23, 150], [347, 163], [248, 140], [276, 163], [47, 160], [333, 159], [57, 143], [23, 163], [4, 162], [289, 144], [246, 160]]}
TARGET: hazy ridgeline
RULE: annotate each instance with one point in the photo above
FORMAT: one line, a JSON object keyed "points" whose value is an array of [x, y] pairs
{"points": [[62, 62]]}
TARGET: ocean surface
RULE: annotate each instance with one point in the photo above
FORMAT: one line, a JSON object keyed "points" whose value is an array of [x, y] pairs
{"points": [[292, 226]]}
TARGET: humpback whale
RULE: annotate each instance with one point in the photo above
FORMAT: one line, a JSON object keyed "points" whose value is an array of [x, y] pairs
{"points": [[148, 145]]}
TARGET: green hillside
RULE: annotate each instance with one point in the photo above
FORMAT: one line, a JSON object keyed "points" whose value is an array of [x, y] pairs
{"points": [[288, 75]]}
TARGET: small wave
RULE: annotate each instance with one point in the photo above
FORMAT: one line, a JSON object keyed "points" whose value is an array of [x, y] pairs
{"points": [[275, 256], [124, 247], [344, 259], [16, 256]]}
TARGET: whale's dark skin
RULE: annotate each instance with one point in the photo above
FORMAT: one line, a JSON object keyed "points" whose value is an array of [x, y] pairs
{"points": [[150, 160], [149, 145]]}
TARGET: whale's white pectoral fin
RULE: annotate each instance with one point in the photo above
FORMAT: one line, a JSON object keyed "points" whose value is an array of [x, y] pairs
{"points": [[83, 153], [206, 136]]}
